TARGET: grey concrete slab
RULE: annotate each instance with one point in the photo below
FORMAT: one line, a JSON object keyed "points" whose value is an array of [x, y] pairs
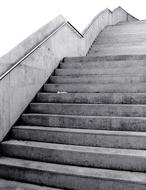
{"points": [[86, 122], [72, 176], [97, 157], [84, 137], [95, 87], [89, 109], [107, 79], [15, 185], [103, 64], [93, 98]]}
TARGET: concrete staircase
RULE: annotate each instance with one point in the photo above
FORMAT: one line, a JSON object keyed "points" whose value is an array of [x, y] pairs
{"points": [[86, 128]]}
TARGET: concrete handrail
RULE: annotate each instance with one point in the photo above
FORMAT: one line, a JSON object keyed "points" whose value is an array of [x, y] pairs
{"points": [[25, 68]]}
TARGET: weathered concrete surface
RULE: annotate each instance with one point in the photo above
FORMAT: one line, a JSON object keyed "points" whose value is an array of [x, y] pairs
{"points": [[105, 58], [106, 78], [95, 121], [141, 70], [103, 64], [121, 39], [71, 177], [89, 109], [82, 137], [13, 185], [20, 86], [95, 87], [97, 157], [86, 122], [93, 98]]}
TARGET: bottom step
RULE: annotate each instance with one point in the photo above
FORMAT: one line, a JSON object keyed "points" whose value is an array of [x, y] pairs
{"points": [[13, 185], [70, 177]]}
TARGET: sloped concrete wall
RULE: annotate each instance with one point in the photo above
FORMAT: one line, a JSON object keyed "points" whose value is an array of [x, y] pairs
{"points": [[19, 87]]}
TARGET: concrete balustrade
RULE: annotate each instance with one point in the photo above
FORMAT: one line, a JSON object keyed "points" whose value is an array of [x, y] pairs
{"points": [[19, 87]]}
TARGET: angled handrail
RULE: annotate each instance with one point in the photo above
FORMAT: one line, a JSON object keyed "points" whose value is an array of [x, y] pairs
{"points": [[51, 34], [38, 45], [70, 25]]}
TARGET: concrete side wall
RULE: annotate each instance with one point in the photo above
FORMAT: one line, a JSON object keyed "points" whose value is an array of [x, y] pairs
{"points": [[96, 26], [19, 87], [131, 18], [29, 43], [118, 15]]}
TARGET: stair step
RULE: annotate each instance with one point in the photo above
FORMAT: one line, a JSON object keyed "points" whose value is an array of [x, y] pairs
{"points": [[83, 137], [127, 27], [93, 98], [15, 185], [105, 58], [86, 122], [121, 78], [70, 177], [124, 34], [89, 109], [119, 40], [98, 88], [116, 51], [103, 64], [118, 45], [136, 22], [97, 157], [100, 71], [120, 49]]}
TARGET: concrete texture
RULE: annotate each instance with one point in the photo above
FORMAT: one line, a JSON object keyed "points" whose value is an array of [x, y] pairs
{"points": [[97, 157], [100, 71], [13, 185], [86, 128], [95, 87], [19, 87], [89, 109], [120, 40], [93, 98], [82, 137], [103, 64], [106, 78], [71, 177], [86, 122], [105, 58]]}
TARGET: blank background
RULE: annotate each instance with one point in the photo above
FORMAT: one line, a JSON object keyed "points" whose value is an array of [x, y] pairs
{"points": [[20, 18]]}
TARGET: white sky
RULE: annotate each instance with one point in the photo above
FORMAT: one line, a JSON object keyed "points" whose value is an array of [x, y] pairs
{"points": [[20, 18]]}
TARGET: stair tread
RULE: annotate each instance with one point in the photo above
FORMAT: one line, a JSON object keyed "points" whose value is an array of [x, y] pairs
{"points": [[91, 98], [100, 75], [84, 131], [116, 85], [87, 93], [81, 116], [98, 78], [96, 87], [77, 148], [134, 177], [89, 109], [90, 105], [15, 185], [107, 57], [100, 71], [83, 137]]}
